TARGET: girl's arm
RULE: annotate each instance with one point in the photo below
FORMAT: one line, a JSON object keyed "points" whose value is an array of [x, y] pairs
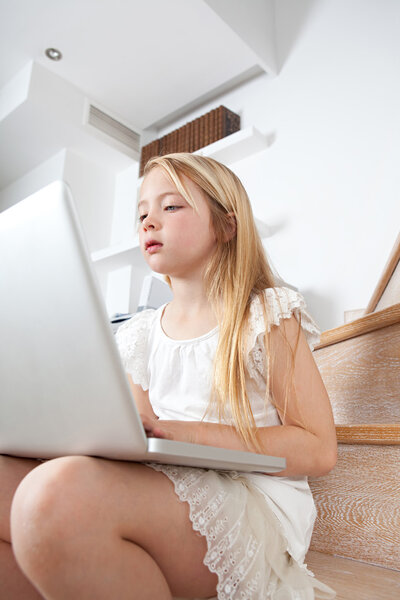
{"points": [[307, 436], [142, 401]]}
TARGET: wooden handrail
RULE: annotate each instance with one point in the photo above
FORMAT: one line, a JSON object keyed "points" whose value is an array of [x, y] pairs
{"points": [[366, 324], [388, 271], [384, 434]]}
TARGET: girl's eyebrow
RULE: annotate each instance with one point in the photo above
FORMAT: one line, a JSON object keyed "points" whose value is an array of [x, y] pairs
{"points": [[161, 196]]}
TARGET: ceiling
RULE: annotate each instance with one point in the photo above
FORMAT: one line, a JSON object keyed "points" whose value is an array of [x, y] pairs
{"points": [[145, 62]]}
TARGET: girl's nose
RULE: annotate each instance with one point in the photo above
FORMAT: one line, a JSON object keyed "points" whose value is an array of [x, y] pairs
{"points": [[149, 223]]}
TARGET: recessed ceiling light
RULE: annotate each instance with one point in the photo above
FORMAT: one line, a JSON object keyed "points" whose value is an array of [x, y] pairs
{"points": [[53, 54]]}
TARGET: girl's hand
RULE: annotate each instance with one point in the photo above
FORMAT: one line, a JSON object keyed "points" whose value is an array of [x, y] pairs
{"points": [[182, 431], [152, 427]]}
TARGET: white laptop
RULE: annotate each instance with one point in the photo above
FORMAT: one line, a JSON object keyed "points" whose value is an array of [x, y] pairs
{"points": [[63, 390]]}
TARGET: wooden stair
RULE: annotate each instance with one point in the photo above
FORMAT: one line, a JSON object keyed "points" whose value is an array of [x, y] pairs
{"points": [[355, 546], [353, 580], [360, 365], [358, 505]]}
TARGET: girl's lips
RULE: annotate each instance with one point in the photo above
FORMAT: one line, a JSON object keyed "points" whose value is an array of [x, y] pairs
{"points": [[153, 246]]}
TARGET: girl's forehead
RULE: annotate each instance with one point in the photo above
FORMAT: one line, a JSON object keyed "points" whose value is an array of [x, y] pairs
{"points": [[157, 178], [157, 182]]}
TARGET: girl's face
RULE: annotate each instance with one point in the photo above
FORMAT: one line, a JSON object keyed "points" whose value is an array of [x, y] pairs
{"points": [[175, 239]]}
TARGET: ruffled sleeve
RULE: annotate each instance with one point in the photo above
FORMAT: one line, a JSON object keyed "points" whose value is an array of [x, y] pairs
{"points": [[281, 303], [131, 340]]}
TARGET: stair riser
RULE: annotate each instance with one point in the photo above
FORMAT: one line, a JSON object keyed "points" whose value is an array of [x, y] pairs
{"points": [[358, 506], [362, 377]]}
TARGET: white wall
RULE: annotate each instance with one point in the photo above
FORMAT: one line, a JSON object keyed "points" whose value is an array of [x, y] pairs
{"points": [[102, 198], [329, 183], [92, 186], [49, 171]]}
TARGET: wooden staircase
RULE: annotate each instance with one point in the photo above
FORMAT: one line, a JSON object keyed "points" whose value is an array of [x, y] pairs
{"points": [[355, 546]]}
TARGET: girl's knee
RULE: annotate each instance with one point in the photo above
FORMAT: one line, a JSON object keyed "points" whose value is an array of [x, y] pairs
{"points": [[45, 505]]}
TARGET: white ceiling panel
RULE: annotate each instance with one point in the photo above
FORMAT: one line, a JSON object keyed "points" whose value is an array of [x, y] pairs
{"points": [[142, 59]]}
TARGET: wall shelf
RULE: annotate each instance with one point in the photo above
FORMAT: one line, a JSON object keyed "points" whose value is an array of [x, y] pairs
{"points": [[114, 256], [234, 147]]}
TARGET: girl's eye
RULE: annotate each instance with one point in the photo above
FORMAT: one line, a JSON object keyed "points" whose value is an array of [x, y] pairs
{"points": [[142, 218], [172, 208]]}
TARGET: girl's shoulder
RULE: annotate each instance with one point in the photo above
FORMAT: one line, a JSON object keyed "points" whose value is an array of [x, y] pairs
{"points": [[132, 341], [139, 323], [280, 303]]}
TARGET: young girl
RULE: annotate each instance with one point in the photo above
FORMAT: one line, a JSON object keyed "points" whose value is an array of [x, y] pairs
{"points": [[226, 363]]}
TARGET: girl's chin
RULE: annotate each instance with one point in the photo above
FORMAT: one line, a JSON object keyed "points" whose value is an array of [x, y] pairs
{"points": [[156, 268], [161, 267]]}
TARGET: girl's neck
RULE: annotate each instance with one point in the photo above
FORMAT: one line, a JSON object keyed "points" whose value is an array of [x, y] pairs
{"points": [[188, 294], [190, 313]]}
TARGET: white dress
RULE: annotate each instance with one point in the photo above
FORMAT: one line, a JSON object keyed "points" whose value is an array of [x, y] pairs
{"points": [[251, 562]]}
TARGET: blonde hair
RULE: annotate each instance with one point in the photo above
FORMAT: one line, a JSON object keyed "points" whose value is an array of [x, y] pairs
{"points": [[237, 272]]}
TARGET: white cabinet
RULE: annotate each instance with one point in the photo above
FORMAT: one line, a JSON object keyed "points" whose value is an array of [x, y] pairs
{"points": [[121, 267]]}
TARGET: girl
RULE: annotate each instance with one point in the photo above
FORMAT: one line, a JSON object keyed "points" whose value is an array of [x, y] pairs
{"points": [[226, 363]]}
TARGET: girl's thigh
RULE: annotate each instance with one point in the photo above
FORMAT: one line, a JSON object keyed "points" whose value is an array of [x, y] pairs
{"points": [[12, 471], [101, 499]]}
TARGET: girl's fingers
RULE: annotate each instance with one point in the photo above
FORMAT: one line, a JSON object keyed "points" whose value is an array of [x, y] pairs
{"points": [[147, 425], [152, 430], [160, 433]]}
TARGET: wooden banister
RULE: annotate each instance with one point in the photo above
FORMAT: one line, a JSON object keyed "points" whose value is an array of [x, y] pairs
{"points": [[385, 277]]}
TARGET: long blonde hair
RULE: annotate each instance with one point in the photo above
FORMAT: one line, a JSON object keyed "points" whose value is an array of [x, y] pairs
{"points": [[237, 272]]}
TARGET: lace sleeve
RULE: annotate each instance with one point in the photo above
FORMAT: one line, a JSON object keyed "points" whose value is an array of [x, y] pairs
{"points": [[131, 340], [281, 303]]}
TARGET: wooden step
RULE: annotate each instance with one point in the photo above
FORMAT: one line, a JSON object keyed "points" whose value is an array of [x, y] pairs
{"points": [[360, 365], [353, 580], [358, 505], [376, 433], [366, 324]]}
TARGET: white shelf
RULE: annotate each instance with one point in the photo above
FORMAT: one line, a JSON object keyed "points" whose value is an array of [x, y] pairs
{"points": [[113, 254], [234, 147]]}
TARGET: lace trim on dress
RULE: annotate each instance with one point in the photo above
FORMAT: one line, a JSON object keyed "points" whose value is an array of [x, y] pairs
{"points": [[131, 338], [281, 303], [246, 547]]}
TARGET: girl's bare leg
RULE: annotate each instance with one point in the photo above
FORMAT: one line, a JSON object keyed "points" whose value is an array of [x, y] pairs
{"points": [[13, 583], [92, 528]]}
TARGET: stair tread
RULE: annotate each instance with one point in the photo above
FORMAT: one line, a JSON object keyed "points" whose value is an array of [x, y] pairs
{"points": [[366, 324], [354, 580], [368, 433]]}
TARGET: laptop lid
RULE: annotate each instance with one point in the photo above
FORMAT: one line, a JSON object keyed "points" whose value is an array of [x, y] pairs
{"points": [[52, 385]]}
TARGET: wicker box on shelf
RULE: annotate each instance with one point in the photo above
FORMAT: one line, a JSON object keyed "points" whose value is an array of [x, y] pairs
{"points": [[196, 134]]}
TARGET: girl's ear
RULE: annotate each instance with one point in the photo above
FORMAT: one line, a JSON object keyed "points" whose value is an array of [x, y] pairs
{"points": [[231, 228]]}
